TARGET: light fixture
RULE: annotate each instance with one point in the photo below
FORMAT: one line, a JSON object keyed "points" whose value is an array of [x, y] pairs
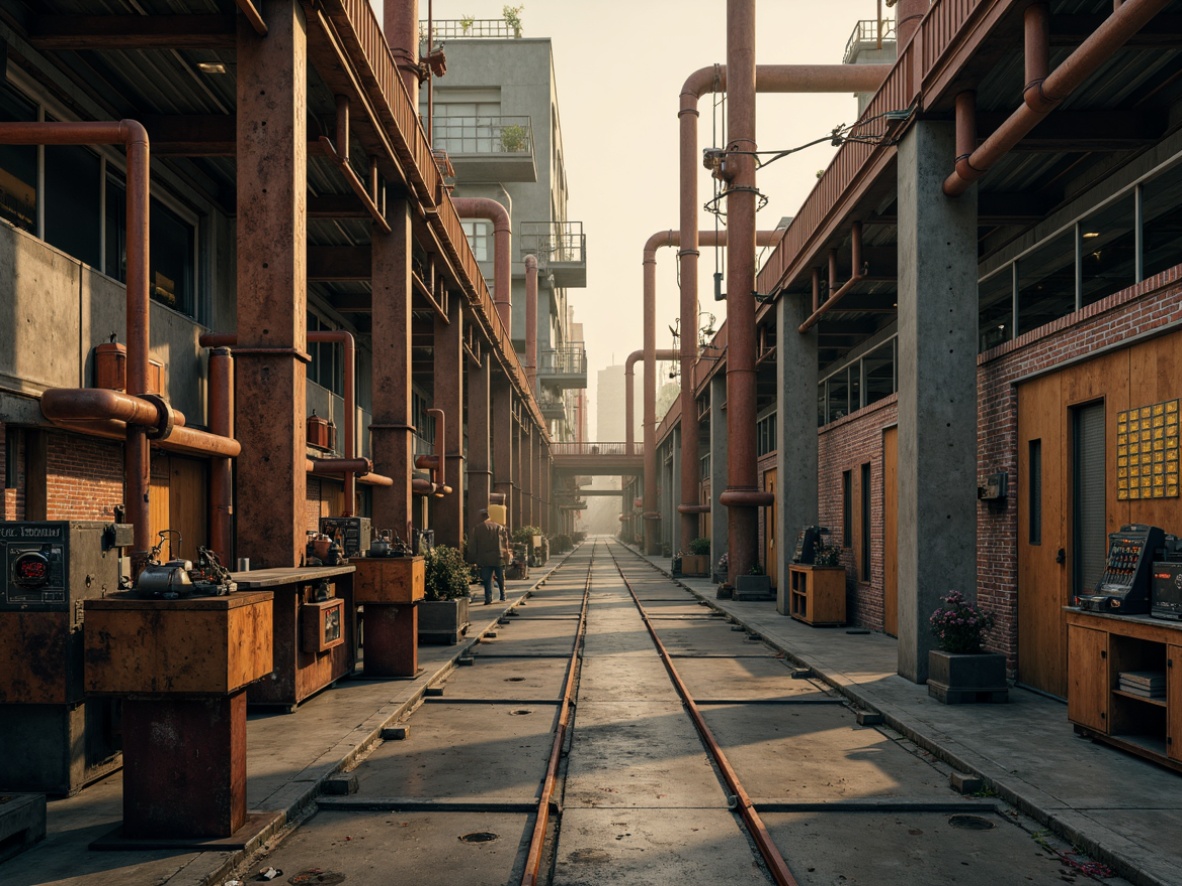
{"points": [[1091, 235], [211, 67]]}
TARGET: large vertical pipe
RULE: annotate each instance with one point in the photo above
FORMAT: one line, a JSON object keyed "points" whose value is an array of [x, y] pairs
{"points": [[491, 210], [531, 322], [908, 15], [630, 397], [448, 387], [651, 512], [400, 22], [741, 495], [221, 477], [769, 78], [479, 474]]}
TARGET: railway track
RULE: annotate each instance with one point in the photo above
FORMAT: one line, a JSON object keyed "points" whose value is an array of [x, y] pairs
{"points": [[616, 728]]}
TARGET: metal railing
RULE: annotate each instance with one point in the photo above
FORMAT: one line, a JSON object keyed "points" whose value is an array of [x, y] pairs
{"points": [[556, 241], [484, 135], [465, 28], [869, 31], [567, 360]]}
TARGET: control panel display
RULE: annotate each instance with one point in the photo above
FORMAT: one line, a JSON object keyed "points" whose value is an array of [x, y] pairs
{"points": [[35, 563], [1124, 586]]}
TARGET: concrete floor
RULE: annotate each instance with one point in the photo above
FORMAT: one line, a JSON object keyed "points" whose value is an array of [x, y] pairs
{"points": [[1121, 810]]}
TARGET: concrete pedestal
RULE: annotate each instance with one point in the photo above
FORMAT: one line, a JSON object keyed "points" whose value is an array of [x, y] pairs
{"points": [[182, 667]]}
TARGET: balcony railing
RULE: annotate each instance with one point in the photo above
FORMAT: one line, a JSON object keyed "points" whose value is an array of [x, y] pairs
{"points": [[565, 366], [467, 28], [585, 448], [496, 148], [869, 34], [561, 248], [553, 408]]}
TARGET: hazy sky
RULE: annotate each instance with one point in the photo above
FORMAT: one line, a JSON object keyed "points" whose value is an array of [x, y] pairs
{"points": [[619, 68]]}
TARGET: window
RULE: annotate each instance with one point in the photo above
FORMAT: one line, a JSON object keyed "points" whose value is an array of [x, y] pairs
{"points": [[847, 505], [18, 165], [995, 319], [864, 554], [480, 238], [1046, 282], [1107, 249], [1034, 487], [73, 202], [171, 256], [879, 369], [839, 395], [765, 435], [1161, 220], [326, 367], [866, 380], [462, 126]]}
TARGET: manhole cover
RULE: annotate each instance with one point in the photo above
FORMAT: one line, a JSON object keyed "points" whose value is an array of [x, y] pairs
{"points": [[514, 679], [520, 712], [315, 875], [478, 837], [970, 822]]}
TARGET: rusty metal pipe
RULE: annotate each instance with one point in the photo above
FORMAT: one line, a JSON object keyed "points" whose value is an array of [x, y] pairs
{"points": [[186, 441], [349, 357], [768, 79], [690, 422], [221, 474], [1097, 49], [629, 397], [491, 210], [135, 139], [857, 275], [531, 322], [437, 461], [400, 24], [1037, 39], [908, 15]]}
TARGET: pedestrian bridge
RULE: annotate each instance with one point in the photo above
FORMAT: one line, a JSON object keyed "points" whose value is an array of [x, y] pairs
{"points": [[597, 459]]}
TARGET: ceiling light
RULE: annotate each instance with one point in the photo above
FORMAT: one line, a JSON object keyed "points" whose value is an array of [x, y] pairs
{"points": [[1090, 235], [211, 67]]}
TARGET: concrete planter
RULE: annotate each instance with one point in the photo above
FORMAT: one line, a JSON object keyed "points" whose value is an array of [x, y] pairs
{"points": [[753, 587], [443, 621], [967, 677]]}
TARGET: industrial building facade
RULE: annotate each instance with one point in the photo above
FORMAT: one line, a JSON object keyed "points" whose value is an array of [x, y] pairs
{"points": [[966, 338]]}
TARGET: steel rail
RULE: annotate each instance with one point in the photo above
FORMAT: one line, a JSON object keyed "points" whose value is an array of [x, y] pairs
{"points": [[742, 802], [533, 860]]}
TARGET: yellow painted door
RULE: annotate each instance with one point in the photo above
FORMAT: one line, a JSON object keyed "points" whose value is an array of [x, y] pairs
{"points": [[769, 540]]}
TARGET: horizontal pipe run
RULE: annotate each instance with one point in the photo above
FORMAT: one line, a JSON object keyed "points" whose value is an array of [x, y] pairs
{"points": [[746, 498], [186, 441], [857, 275], [693, 509]]}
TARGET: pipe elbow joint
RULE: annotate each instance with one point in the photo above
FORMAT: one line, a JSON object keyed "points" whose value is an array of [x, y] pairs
{"points": [[1037, 99]]}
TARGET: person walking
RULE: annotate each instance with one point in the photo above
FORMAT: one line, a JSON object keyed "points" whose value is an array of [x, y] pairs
{"points": [[488, 548]]}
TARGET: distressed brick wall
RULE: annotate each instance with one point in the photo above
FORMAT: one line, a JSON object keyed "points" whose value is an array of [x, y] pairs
{"points": [[84, 479]]}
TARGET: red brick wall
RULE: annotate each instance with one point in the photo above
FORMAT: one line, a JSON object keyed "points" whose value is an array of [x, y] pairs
{"points": [[848, 443], [85, 478], [845, 445], [12, 499]]}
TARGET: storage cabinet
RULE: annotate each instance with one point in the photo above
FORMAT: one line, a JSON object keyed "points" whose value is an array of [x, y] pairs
{"points": [[1125, 683], [816, 594]]}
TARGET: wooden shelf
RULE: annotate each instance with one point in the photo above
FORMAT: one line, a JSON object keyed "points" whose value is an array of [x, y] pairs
{"points": [[816, 594], [1100, 648]]}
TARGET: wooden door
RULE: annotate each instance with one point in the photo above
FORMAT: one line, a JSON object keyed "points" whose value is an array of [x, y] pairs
{"points": [[1042, 535], [890, 531], [1087, 700], [188, 506], [769, 535], [159, 509]]}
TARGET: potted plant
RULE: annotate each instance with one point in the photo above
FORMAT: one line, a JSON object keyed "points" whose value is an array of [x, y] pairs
{"points": [[466, 22], [697, 561], [513, 138], [512, 16], [443, 612], [755, 585], [959, 671], [723, 569]]}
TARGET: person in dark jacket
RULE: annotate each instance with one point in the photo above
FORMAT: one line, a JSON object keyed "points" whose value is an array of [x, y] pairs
{"points": [[488, 548]]}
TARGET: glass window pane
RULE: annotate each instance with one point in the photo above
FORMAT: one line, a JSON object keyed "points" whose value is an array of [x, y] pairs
{"points": [[995, 318], [18, 165], [1108, 250], [1046, 283], [822, 399], [839, 393], [855, 387], [171, 254], [73, 219], [116, 229], [1161, 213], [879, 366]]}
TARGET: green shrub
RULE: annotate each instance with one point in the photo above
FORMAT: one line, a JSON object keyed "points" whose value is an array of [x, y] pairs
{"points": [[699, 546], [579, 537], [447, 574], [525, 534], [560, 543]]}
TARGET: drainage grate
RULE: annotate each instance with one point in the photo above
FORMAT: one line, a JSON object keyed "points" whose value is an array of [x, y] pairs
{"points": [[478, 837], [970, 823], [520, 712]]}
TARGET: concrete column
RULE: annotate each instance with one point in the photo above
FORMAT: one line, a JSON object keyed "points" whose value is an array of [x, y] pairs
{"points": [[392, 431], [272, 287], [502, 440], [718, 438], [479, 473], [796, 428], [937, 390], [447, 517]]}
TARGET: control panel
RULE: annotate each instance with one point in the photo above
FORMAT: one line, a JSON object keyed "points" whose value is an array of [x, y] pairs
{"points": [[48, 564], [1124, 587]]}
